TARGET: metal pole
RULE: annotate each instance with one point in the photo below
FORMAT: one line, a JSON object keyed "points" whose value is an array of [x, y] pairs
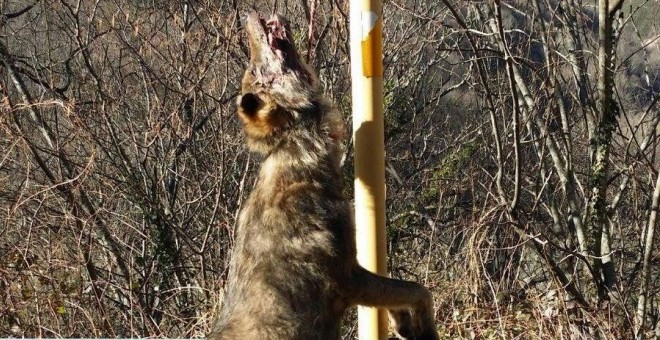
{"points": [[367, 78]]}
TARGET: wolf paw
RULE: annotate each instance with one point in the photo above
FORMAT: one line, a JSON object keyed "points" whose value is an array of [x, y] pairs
{"points": [[403, 323], [406, 328]]}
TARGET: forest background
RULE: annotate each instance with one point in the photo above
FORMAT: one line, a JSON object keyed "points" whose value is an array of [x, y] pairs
{"points": [[522, 166]]}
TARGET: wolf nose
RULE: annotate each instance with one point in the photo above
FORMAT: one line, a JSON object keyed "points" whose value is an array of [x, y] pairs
{"points": [[250, 15]]}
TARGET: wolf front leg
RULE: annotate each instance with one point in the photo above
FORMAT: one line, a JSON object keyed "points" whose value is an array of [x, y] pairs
{"points": [[399, 297]]}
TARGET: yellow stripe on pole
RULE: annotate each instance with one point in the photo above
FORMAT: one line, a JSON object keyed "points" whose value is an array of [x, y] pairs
{"points": [[367, 79], [372, 49]]}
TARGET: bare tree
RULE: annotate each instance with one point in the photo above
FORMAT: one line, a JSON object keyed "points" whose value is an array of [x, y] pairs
{"points": [[522, 156]]}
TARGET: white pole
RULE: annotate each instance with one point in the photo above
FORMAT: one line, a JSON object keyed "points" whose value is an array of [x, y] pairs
{"points": [[366, 18]]}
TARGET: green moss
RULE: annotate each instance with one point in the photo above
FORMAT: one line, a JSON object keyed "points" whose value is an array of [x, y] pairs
{"points": [[450, 167], [394, 119], [455, 162]]}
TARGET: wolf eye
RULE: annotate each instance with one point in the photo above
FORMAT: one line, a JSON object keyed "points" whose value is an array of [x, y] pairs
{"points": [[250, 103]]}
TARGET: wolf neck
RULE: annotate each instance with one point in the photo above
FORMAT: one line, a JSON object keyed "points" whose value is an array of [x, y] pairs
{"points": [[302, 156]]}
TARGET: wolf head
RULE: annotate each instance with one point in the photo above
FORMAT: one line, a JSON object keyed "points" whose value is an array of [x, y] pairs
{"points": [[280, 94]]}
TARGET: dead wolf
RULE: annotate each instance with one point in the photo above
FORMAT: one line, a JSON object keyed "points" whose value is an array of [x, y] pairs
{"points": [[293, 271]]}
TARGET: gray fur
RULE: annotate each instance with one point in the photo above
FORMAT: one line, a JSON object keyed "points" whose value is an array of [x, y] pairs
{"points": [[293, 271]]}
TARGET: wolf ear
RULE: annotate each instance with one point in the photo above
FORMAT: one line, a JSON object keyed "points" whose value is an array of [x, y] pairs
{"points": [[250, 104]]}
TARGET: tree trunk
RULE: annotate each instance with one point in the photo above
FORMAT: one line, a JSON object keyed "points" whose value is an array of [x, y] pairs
{"points": [[608, 112], [648, 246]]}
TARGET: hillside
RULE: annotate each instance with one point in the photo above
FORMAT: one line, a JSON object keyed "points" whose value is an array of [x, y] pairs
{"points": [[524, 205]]}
